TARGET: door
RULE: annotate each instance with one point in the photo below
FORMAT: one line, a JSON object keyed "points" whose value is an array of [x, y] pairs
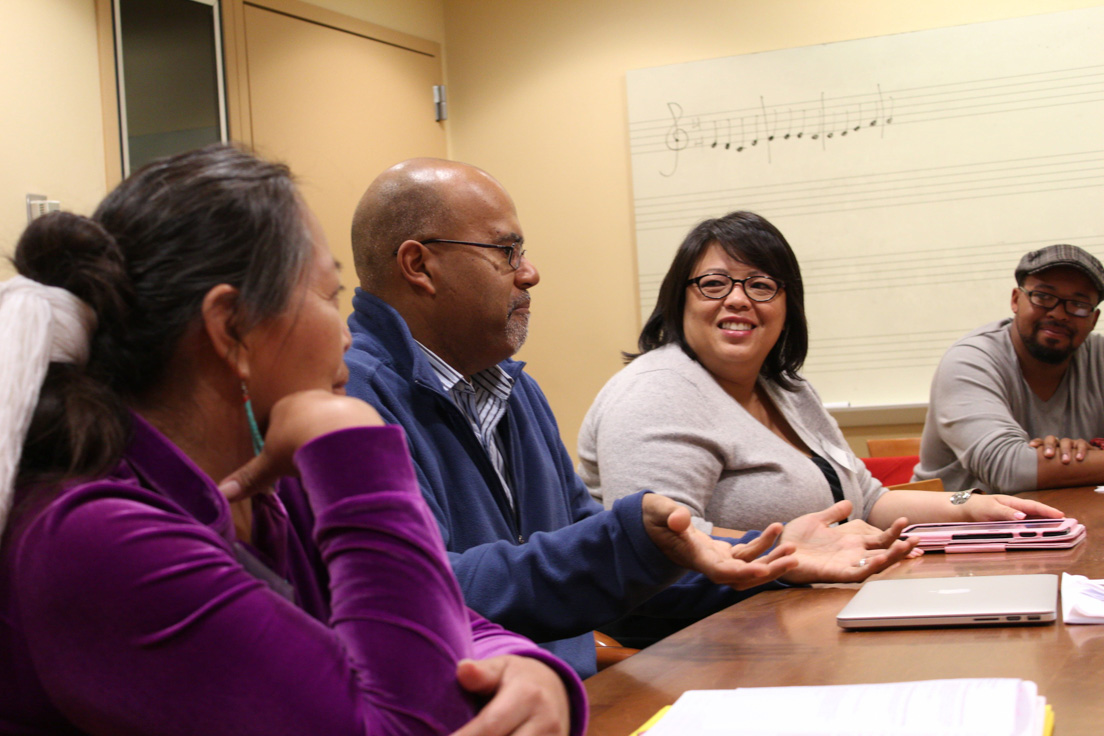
{"points": [[337, 99]]}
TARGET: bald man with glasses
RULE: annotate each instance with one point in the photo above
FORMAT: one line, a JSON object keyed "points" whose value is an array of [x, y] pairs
{"points": [[1016, 404]]}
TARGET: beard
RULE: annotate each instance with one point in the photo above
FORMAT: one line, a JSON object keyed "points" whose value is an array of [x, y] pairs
{"points": [[1045, 353], [517, 329]]}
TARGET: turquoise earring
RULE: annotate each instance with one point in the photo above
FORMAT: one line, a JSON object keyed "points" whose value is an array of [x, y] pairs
{"points": [[258, 441]]}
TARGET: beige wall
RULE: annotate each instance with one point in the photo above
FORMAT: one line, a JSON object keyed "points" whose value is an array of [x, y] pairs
{"points": [[537, 94], [51, 128]]}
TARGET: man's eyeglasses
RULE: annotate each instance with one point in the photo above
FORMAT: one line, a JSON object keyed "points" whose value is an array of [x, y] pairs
{"points": [[1073, 307], [514, 250], [719, 285]]}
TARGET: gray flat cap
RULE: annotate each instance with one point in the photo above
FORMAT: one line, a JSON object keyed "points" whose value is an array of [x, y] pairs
{"points": [[1053, 256]]}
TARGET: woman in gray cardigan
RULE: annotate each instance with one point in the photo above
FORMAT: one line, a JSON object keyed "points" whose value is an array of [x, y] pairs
{"points": [[713, 413]]}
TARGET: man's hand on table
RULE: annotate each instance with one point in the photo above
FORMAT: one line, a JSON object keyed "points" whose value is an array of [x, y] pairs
{"points": [[740, 566], [1066, 449]]}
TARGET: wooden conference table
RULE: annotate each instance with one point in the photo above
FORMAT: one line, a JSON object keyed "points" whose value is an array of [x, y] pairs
{"points": [[790, 637]]}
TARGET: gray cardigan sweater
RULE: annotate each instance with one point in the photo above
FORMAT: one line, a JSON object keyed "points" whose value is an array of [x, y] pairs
{"points": [[663, 423]]}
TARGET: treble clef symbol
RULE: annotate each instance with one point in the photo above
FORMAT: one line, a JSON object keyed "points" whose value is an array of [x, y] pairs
{"points": [[677, 138]]}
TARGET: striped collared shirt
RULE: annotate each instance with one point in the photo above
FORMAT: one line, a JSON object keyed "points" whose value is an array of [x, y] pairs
{"points": [[483, 402]]}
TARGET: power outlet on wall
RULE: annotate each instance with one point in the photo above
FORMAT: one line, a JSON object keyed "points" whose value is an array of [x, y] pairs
{"points": [[38, 205]]}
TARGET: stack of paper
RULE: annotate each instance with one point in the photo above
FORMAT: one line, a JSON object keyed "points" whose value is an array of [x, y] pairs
{"points": [[1082, 600], [966, 707]]}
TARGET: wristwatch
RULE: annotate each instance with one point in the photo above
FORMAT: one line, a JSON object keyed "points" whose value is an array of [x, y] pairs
{"points": [[961, 497]]}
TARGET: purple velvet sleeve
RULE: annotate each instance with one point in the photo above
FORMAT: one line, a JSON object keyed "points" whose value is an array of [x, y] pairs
{"points": [[141, 621]]}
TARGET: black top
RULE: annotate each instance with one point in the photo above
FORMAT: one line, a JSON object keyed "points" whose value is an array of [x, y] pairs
{"points": [[830, 475]]}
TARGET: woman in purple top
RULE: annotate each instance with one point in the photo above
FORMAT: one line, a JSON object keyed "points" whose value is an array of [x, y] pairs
{"points": [[189, 332]]}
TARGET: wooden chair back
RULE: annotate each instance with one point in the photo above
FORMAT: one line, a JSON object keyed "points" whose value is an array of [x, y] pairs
{"points": [[935, 484], [893, 447], [610, 651]]}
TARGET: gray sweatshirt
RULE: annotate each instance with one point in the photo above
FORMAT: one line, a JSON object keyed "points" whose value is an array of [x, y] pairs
{"points": [[982, 413]]}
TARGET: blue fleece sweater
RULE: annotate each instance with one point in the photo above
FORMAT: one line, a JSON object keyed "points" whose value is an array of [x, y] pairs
{"points": [[559, 566]]}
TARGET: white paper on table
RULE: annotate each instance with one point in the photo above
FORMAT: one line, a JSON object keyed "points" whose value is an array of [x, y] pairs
{"points": [[1082, 600], [961, 707]]}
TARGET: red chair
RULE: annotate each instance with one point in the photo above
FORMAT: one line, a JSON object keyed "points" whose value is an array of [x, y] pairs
{"points": [[891, 471]]}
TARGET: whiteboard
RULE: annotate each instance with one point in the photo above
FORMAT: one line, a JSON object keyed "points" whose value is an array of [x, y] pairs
{"points": [[908, 172]]}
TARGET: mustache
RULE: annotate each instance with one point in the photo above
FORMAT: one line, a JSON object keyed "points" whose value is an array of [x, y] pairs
{"points": [[1054, 325], [520, 302]]}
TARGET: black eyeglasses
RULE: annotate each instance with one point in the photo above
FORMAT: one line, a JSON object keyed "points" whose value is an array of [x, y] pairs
{"points": [[1073, 307], [515, 251], [719, 285]]}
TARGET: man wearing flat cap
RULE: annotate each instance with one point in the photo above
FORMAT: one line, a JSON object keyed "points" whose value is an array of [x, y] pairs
{"points": [[1016, 404]]}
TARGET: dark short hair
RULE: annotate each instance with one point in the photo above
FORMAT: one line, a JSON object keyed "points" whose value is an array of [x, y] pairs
{"points": [[750, 239], [144, 262]]}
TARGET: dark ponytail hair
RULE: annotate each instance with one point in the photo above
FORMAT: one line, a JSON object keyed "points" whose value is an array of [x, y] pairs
{"points": [[144, 262], [750, 239]]}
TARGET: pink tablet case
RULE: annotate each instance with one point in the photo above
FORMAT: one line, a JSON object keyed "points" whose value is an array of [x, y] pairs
{"points": [[998, 536]]}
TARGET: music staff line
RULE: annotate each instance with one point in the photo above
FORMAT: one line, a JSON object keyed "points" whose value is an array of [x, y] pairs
{"points": [[921, 338], [642, 135], [893, 277], [882, 181], [901, 349], [834, 205], [858, 113], [950, 196], [873, 198], [942, 89], [904, 273], [887, 177], [786, 191], [955, 263], [825, 119], [897, 280], [897, 350], [955, 252], [903, 100], [697, 138], [883, 359]]}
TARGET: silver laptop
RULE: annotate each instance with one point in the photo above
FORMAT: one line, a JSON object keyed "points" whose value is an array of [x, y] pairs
{"points": [[965, 601]]}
